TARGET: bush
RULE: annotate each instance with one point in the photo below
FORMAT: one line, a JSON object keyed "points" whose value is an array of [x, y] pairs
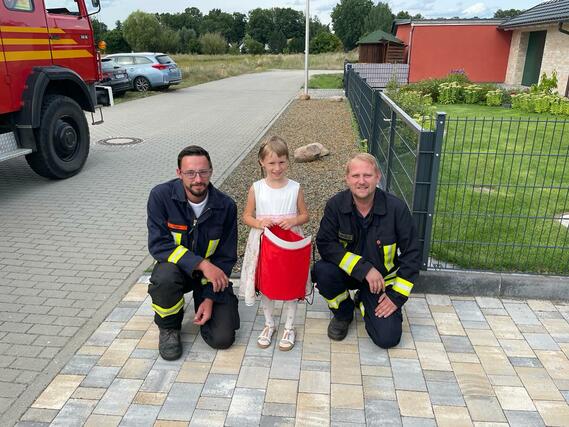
{"points": [[458, 76], [473, 94], [547, 85], [426, 87], [494, 98], [451, 93], [325, 42], [212, 44], [252, 46]]}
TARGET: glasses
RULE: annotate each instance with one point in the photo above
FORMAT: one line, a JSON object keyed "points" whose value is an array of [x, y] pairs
{"points": [[204, 173]]}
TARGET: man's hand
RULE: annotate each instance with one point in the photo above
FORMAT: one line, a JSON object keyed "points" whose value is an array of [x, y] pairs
{"points": [[204, 312], [375, 281], [386, 307], [213, 274]]}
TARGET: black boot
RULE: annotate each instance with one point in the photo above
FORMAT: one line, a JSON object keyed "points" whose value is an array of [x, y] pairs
{"points": [[338, 329], [170, 344]]}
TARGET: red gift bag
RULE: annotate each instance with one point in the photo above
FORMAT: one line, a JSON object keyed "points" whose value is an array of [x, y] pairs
{"points": [[283, 265]]}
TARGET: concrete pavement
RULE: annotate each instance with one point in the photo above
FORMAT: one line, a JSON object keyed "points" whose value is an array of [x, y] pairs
{"points": [[70, 249]]}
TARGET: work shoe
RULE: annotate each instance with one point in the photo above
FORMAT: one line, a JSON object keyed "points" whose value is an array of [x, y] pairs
{"points": [[170, 344], [338, 329]]}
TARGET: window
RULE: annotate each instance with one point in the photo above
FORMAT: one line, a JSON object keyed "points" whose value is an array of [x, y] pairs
{"points": [[142, 60], [19, 5], [63, 7], [124, 60], [164, 59]]}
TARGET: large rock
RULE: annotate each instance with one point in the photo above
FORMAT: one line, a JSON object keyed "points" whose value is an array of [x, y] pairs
{"points": [[310, 152]]}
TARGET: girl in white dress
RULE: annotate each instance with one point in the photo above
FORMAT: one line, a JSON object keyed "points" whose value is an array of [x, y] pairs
{"points": [[274, 200]]}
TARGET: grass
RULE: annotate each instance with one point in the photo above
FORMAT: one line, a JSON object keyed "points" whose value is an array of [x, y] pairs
{"points": [[502, 184], [198, 69], [326, 81]]}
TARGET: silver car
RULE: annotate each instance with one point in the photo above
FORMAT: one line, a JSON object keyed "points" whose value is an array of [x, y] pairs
{"points": [[149, 70]]}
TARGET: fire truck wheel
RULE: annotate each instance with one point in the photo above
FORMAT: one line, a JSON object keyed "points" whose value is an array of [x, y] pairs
{"points": [[62, 139], [141, 84]]}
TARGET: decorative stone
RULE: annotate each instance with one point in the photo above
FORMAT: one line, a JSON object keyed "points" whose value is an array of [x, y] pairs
{"points": [[310, 152], [336, 98]]}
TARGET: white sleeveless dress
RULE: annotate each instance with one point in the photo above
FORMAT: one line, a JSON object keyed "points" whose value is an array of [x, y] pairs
{"points": [[275, 203]]}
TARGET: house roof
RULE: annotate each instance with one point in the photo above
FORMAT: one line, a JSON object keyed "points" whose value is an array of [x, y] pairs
{"points": [[548, 12], [378, 37]]}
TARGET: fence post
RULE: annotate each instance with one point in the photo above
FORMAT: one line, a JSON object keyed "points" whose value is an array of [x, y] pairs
{"points": [[426, 179], [347, 68], [390, 148], [373, 133]]}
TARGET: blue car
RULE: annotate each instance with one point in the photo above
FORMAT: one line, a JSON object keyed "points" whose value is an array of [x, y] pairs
{"points": [[149, 70]]}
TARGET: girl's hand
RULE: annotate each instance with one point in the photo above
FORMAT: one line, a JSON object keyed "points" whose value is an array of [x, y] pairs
{"points": [[266, 222], [287, 223]]}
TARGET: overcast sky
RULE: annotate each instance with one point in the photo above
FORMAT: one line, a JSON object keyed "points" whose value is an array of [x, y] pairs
{"points": [[120, 9]]}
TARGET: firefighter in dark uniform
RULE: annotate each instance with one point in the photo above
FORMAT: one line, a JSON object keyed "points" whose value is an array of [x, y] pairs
{"points": [[192, 234], [368, 241]]}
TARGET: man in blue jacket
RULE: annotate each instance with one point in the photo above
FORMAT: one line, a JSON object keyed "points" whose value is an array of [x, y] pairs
{"points": [[192, 234], [368, 241]]}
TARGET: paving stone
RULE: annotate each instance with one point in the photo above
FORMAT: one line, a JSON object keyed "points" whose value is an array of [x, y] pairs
{"points": [[521, 314], [345, 369], [468, 311], [312, 409], [418, 422], [524, 419], [433, 356], [286, 365], [159, 381], [136, 369], [88, 393], [246, 407], [253, 377], [553, 413], [140, 416], [118, 352], [194, 372], [382, 413], [445, 393], [484, 408], [79, 365], [472, 380], [214, 403], [425, 333], [541, 341], [313, 382], [208, 418], [407, 375], [348, 416], [74, 412], [228, 361], [219, 385], [40, 415], [378, 388], [118, 397], [414, 404], [529, 362], [347, 396], [280, 410], [181, 402], [58, 391], [451, 416], [103, 421], [271, 421], [100, 376], [146, 398], [457, 344], [538, 384], [370, 354]]}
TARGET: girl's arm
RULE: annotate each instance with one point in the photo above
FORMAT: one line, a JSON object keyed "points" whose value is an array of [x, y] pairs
{"points": [[301, 218], [248, 214]]}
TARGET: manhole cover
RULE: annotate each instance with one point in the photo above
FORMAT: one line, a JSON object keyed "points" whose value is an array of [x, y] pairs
{"points": [[120, 141]]}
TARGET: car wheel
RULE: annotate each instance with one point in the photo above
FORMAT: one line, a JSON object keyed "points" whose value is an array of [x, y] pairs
{"points": [[141, 84]]}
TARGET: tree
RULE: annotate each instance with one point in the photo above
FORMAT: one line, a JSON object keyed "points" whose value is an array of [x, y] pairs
{"points": [[507, 13], [185, 36], [142, 30], [252, 46], [260, 25], [277, 41], [316, 27], [213, 44], [115, 40], [238, 27], [325, 42], [295, 45], [291, 22], [217, 21], [348, 18], [168, 40], [380, 18], [403, 14], [100, 30]]}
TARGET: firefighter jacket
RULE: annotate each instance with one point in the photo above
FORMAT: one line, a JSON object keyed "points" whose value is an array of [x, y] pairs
{"points": [[176, 236], [389, 243]]}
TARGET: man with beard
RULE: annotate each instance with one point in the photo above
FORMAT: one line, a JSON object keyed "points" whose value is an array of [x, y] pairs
{"points": [[192, 234], [368, 241]]}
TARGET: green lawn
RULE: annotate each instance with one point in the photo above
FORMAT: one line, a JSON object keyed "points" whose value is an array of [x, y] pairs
{"points": [[326, 81], [504, 179]]}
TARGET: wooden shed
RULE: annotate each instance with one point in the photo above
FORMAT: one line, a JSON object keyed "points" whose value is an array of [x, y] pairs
{"points": [[381, 47]]}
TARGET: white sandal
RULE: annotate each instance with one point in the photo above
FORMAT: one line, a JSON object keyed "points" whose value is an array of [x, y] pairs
{"points": [[287, 341], [266, 336]]}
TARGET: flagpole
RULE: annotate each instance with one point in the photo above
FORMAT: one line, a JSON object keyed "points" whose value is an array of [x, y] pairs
{"points": [[306, 46]]}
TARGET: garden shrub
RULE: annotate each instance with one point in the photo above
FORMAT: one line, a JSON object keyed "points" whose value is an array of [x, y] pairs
{"points": [[547, 85], [472, 94], [458, 76], [426, 87], [494, 98], [451, 93]]}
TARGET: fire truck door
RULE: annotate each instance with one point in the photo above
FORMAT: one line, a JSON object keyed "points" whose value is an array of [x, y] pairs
{"points": [[5, 95], [71, 37], [24, 42]]}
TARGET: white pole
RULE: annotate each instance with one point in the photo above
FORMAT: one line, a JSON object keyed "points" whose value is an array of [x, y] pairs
{"points": [[306, 45]]}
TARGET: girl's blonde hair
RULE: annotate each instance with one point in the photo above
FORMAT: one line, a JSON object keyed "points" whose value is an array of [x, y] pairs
{"points": [[274, 144]]}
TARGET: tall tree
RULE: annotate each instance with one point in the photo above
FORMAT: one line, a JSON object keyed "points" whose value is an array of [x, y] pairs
{"points": [[142, 30], [100, 30], [380, 18], [348, 18], [260, 25], [291, 22], [403, 14], [115, 40], [217, 21], [507, 13], [238, 27]]}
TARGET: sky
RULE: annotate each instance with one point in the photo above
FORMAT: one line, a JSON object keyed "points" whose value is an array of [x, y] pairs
{"points": [[113, 10]]}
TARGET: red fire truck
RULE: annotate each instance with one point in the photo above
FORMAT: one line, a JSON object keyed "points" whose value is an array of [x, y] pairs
{"points": [[48, 69]]}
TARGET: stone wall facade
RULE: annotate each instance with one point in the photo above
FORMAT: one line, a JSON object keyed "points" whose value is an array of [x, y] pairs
{"points": [[555, 55]]}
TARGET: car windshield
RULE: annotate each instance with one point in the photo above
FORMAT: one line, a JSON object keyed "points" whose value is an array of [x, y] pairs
{"points": [[109, 64], [164, 59]]}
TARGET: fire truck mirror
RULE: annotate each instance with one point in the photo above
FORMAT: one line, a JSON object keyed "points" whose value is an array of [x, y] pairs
{"points": [[95, 3]]}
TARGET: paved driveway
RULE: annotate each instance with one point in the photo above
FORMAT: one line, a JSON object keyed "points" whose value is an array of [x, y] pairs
{"points": [[70, 249]]}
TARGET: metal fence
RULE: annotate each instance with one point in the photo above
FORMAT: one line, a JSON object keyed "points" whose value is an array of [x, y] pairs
{"points": [[487, 194], [379, 75]]}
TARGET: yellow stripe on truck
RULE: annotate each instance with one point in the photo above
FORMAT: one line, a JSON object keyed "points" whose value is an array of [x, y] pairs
{"points": [[40, 30], [34, 55], [38, 42]]}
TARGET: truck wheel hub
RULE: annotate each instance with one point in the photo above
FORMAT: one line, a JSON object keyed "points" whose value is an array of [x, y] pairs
{"points": [[65, 140]]}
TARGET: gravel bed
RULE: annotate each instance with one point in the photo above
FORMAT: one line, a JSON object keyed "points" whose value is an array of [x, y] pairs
{"points": [[304, 122]]}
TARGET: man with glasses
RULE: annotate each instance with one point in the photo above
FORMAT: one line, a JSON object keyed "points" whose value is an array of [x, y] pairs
{"points": [[192, 234]]}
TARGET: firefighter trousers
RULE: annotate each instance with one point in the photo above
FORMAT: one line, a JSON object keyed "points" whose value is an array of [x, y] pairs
{"points": [[167, 287], [334, 285]]}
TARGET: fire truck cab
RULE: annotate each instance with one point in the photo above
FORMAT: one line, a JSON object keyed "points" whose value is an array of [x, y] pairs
{"points": [[49, 67]]}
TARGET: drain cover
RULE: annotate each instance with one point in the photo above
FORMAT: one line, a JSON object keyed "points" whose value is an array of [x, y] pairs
{"points": [[120, 141]]}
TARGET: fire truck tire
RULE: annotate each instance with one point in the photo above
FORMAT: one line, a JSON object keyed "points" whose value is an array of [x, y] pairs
{"points": [[62, 139]]}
